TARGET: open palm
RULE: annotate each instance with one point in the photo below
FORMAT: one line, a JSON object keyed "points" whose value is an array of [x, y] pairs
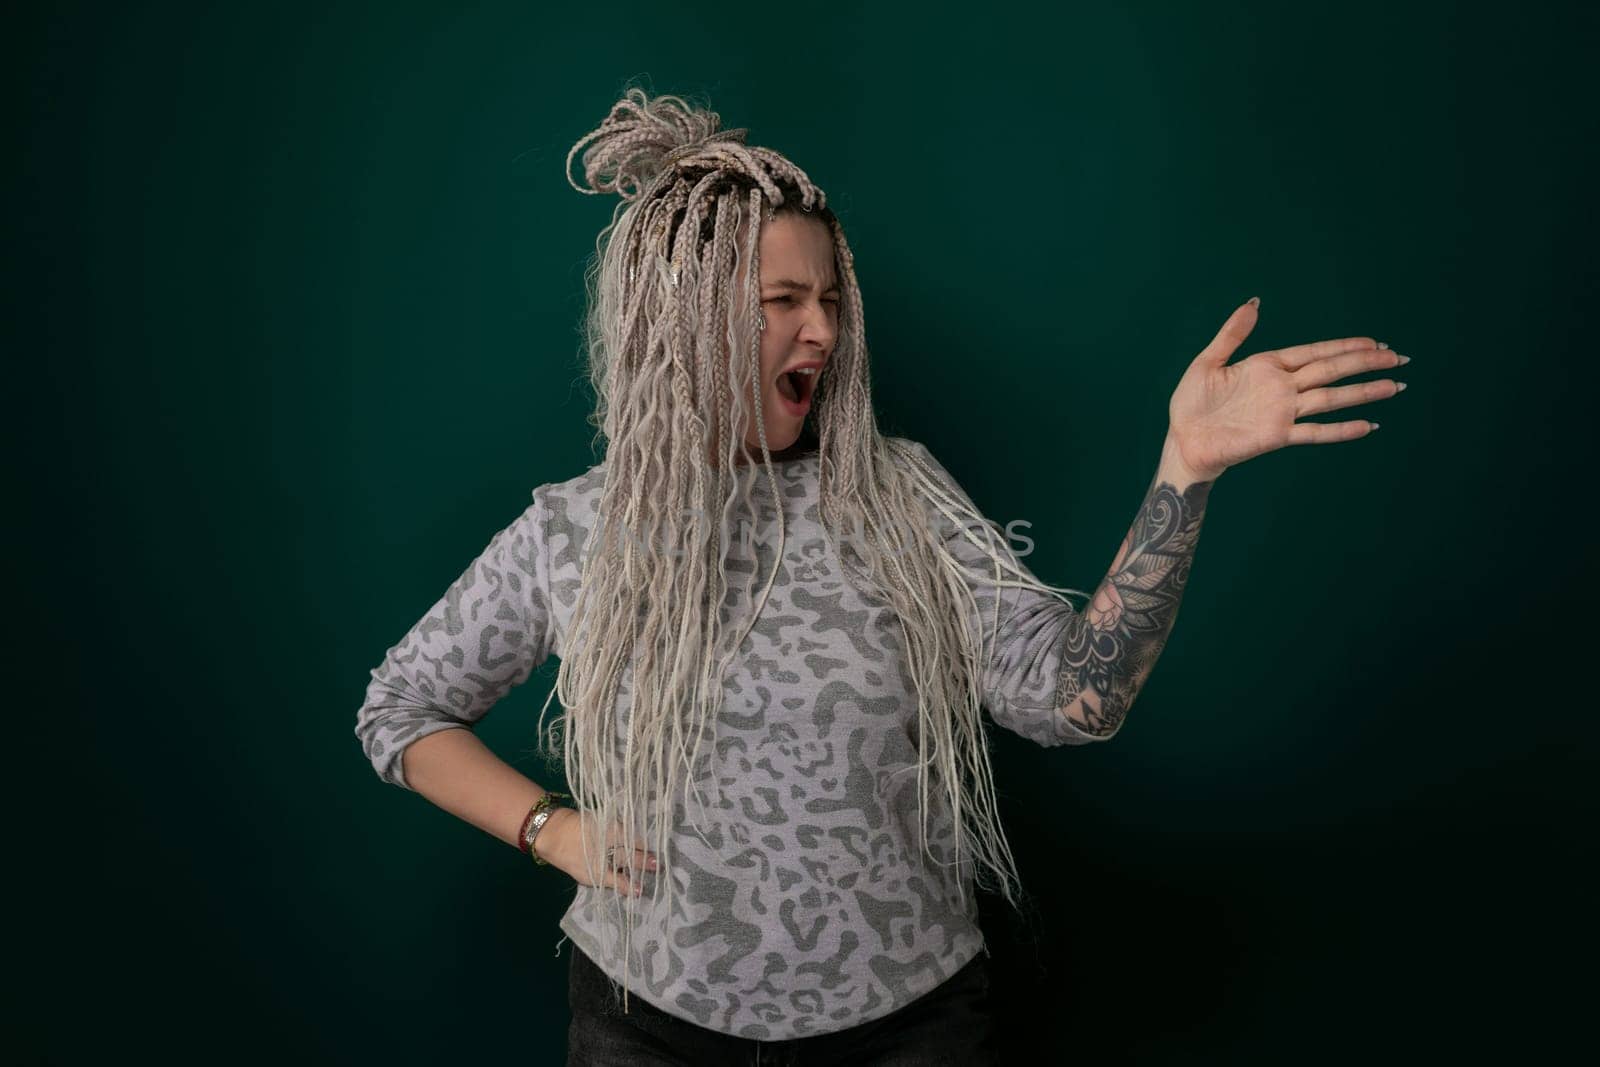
{"points": [[1222, 415]]}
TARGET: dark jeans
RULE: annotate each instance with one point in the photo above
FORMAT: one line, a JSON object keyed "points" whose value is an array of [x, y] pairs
{"points": [[949, 1024]]}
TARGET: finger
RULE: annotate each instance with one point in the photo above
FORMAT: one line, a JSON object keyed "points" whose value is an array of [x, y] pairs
{"points": [[1316, 401], [1231, 336], [1332, 368], [639, 859], [1300, 355], [1322, 433], [623, 884], [621, 858], [616, 836]]}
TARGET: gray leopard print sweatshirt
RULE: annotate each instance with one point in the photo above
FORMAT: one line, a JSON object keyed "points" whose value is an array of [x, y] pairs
{"points": [[807, 906]]}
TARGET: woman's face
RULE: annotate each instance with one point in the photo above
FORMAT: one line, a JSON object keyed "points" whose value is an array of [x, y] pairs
{"points": [[800, 298]]}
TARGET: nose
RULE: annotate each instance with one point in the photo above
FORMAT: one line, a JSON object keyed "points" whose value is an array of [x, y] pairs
{"points": [[817, 329]]}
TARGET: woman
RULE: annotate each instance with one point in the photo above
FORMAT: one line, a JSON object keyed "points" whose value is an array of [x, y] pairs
{"points": [[777, 630]]}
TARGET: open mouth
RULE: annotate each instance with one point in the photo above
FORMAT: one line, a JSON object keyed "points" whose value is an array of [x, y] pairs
{"points": [[796, 388]]}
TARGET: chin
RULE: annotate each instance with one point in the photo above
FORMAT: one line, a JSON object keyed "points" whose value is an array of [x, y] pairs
{"points": [[783, 440], [782, 432], [780, 438]]}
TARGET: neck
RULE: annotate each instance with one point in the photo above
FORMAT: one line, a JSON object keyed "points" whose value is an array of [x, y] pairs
{"points": [[805, 444]]}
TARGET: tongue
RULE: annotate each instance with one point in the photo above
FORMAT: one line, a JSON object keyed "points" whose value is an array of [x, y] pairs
{"points": [[786, 387]]}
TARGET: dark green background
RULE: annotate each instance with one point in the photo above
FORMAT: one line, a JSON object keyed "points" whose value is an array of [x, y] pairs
{"points": [[294, 308]]}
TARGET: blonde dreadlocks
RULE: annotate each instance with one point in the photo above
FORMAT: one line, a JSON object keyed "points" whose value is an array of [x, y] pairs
{"points": [[673, 345]]}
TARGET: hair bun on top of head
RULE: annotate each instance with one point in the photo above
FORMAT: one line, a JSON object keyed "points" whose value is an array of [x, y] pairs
{"points": [[641, 137]]}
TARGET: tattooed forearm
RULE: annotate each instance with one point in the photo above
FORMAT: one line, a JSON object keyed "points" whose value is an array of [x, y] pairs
{"points": [[1114, 644]]}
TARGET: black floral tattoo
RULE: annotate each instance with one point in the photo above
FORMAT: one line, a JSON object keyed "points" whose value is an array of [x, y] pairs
{"points": [[1114, 644]]}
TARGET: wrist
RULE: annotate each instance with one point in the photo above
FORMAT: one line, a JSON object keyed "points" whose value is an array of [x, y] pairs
{"points": [[544, 839], [1177, 470], [536, 821]]}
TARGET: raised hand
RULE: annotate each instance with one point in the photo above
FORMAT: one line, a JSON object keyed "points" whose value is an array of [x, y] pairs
{"points": [[561, 843], [1222, 415]]}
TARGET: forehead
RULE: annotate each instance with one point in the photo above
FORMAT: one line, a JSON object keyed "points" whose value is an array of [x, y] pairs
{"points": [[797, 247]]}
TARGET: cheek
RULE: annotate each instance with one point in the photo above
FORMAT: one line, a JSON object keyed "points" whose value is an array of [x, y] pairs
{"points": [[771, 361]]}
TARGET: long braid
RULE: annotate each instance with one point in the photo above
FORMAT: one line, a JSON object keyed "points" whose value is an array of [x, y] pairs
{"points": [[673, 346]]}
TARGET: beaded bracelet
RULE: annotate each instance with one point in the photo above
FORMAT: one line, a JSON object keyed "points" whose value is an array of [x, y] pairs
{"points": [[538, 815]]}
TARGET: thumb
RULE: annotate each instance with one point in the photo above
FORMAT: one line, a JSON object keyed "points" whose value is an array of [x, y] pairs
{"points": [[1232, 334]]}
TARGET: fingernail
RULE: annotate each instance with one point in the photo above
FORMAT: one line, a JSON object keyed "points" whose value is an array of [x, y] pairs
{"points": [[1399, 387], [1403, 360], [1383, 344], [1256, 300], [1376, 425]]}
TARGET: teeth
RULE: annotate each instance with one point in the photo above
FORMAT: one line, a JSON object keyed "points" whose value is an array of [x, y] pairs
{"points": [[790, 386]]}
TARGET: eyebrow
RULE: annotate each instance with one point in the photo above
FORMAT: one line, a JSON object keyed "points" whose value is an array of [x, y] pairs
{"points": [[790, 283]]}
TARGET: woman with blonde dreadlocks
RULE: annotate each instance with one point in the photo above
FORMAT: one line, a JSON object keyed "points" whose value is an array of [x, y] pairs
{"points": [[777, 630]]}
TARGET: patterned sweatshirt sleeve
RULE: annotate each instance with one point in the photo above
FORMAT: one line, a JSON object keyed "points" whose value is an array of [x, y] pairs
{"points": [[486, 634], [1028, 650]]}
